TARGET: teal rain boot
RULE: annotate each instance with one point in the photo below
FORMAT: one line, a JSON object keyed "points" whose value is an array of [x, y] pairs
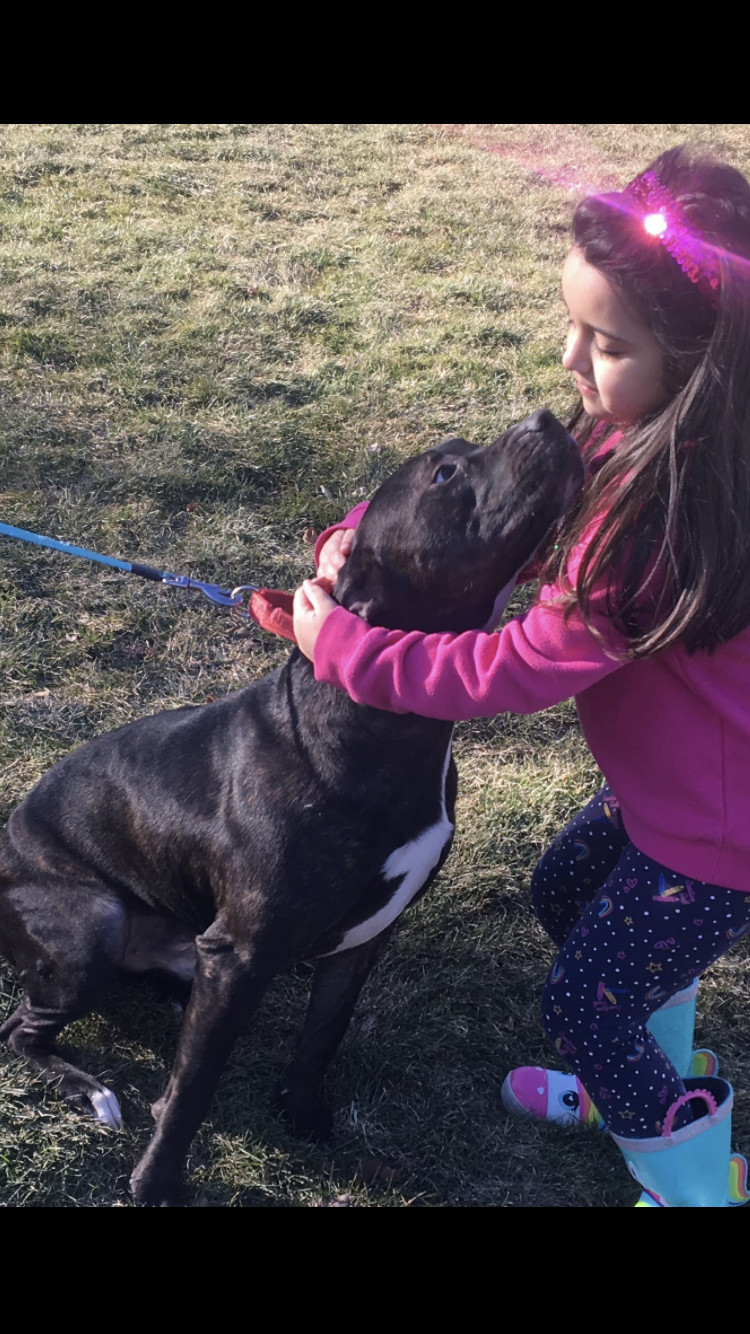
{"points": [[690, 1167], [673, 1026]]}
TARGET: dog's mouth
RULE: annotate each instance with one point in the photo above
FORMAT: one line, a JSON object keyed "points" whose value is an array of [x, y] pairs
{"points": [[573, 486], [501, 602]]}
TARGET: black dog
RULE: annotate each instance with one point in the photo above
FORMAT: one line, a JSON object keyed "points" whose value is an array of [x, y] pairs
{"points": [[224, 843]]}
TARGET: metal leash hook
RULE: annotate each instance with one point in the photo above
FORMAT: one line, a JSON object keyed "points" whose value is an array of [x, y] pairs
{"points": [[212, 591], [272, 609], [245, 588]]}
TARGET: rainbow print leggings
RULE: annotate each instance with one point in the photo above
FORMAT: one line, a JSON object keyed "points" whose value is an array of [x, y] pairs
{"points": [[631, 933]]}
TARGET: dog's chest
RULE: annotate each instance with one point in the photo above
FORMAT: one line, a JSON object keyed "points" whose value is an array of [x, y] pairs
{"points": [[406, 869]]}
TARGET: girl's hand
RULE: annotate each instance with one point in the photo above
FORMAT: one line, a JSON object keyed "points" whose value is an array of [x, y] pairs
{"points": [[335, 553], [312, 605]]}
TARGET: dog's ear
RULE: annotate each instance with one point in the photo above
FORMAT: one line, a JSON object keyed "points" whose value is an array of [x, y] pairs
{"points": [[365, 608], [363, 590]]}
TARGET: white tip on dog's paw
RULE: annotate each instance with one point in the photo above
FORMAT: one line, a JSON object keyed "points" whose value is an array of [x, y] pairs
{"points": [[107, 1109]]}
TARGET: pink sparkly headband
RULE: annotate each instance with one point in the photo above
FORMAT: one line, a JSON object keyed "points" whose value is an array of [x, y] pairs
{"points": [[664, 219]]}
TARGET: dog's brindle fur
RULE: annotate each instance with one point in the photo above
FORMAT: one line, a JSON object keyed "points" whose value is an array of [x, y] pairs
{"points": [[226, 842]]}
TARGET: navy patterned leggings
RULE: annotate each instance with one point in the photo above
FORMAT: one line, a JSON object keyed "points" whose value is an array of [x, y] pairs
{"points": [[631, 933]]}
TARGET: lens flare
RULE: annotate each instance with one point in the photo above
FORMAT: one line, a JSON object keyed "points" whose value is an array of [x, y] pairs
{"points": [[655, 224]]}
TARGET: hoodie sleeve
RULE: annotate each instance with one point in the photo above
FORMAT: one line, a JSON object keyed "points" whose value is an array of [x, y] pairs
{"points": [[534, 661]]}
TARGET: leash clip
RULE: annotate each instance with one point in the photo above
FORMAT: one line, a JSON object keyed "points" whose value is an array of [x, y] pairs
{"points": [[211, 591]]}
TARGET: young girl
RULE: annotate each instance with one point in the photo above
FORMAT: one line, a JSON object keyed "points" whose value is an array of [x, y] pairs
{"points": [[644, 617]]}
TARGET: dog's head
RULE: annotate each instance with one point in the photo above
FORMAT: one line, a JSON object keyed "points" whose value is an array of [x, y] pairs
{"points": [[451, 528]]}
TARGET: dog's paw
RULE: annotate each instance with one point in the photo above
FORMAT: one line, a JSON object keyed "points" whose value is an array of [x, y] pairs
{"points": [[153, 1190], [106, 1108], [307, 1115], [89, 1098]]}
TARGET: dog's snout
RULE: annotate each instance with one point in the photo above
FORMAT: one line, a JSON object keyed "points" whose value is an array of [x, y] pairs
{"points": [[541, 420]]}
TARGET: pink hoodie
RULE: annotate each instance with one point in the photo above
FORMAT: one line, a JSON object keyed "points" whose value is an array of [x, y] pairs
{"points": [[671, 733]]}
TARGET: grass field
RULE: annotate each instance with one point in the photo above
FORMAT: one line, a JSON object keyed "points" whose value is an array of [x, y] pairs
{"points": [[214, 339]]}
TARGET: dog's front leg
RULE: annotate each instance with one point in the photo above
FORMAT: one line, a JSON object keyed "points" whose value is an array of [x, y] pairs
{"points": [[226, 988], [338, 980]]}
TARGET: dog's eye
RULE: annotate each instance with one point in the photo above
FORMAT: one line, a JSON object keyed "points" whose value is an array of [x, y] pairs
{"points": [[444, 473]]}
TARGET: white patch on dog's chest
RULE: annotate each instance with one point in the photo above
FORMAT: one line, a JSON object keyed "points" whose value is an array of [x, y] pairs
{"points": [[414, 861]]}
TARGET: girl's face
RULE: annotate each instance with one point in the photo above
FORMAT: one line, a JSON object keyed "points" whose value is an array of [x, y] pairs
{"points": [[615, 358]]}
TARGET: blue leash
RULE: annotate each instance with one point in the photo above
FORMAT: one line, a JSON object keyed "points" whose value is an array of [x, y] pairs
{"points": [[212, 591]]}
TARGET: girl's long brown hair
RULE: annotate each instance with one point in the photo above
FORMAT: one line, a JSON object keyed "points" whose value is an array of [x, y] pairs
{"points": [[673, 549]]}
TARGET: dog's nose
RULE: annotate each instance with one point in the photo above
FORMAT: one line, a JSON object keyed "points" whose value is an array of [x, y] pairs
{"points": [[541, 420]]}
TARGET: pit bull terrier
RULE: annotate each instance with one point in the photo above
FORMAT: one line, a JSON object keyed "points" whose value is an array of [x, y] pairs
{"points": [[223, 843]]}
